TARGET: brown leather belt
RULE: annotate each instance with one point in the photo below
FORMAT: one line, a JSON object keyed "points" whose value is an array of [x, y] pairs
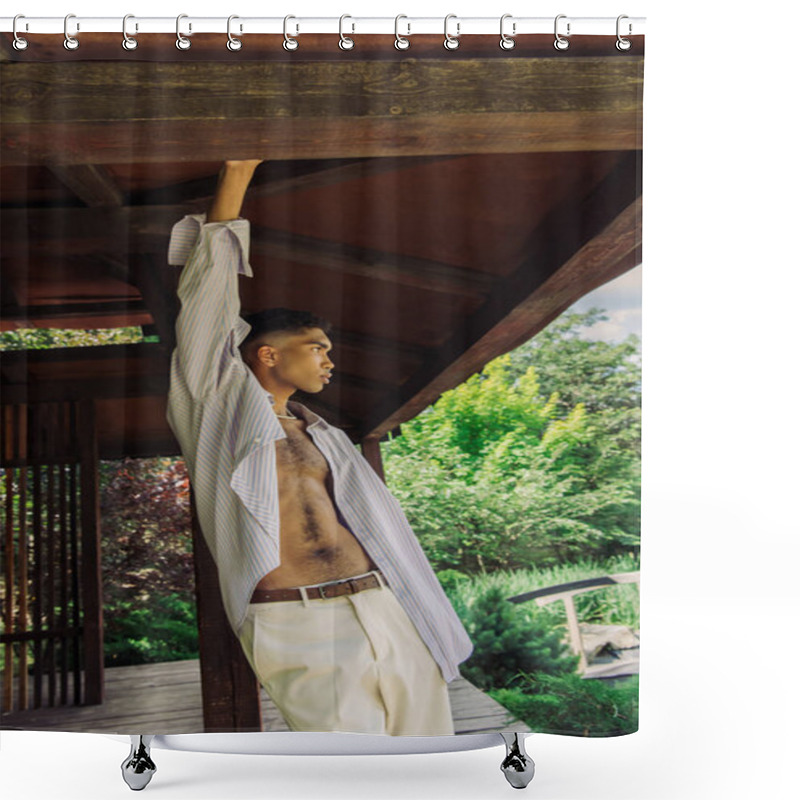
{"points": [[323, 590]]}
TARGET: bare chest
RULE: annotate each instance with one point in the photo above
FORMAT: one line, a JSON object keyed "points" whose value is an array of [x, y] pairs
{"points": [[297, 455]]}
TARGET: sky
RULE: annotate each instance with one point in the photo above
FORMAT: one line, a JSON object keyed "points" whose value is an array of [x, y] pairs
{"points": [[622, 300]]}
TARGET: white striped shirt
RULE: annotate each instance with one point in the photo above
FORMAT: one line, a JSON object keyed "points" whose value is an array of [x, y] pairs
{"points": [[223, 419]]}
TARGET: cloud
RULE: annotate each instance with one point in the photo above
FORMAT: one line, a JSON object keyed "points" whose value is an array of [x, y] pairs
{"points": [[621, 299]]}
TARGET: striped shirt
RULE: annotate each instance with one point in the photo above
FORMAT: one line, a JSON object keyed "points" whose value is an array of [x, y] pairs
{"points": [[224, 421]]}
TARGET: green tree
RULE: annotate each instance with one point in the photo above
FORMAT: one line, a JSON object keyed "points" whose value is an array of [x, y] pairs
{"points": [[500, 474]]}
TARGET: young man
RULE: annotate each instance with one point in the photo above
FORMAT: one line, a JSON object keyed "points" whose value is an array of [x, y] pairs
{"points": [[324, 583]]}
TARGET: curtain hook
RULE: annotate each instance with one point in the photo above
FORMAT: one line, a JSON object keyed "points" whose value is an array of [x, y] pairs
{"points": [[400, 42], [182, 43], [451, 42], [345, 42], [289, 42], [507, 42], [70, 42], [234, 43], [19, 42], [128, 42], [623, 44], [561, 43]]}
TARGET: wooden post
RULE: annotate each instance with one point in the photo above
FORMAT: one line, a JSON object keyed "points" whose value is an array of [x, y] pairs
{"points": [[576, 640], [91, 582], [371, 448], [231, 691]]}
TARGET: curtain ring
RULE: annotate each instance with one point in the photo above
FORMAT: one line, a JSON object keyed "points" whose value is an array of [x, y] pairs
{"points": [[400, 42], [623, 44], [182, 43], [19, 42], [128, 42], [345, 42], [233, 42], [289, 42], [451, 42], [507, 42], [70, 42], [561, 43]]}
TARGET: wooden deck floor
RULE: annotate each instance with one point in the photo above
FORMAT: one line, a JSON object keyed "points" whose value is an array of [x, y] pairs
{"points": [[166, 698]]}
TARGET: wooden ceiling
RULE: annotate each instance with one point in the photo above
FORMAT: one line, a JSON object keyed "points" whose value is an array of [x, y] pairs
{"points": [[439, 208]]}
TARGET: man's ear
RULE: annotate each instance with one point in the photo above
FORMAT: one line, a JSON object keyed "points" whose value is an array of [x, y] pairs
{"points": [[261, 352]]}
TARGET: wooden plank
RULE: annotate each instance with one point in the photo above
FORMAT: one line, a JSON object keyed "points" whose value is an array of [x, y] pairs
{"points": [[371, 450], [32, 452], [94, 185], [316, 109], [167, 697], [9, 577], [74, 510], [51, 643], [62, 432], [91, 579], [229, 687], [24, 550], [20, 236]]}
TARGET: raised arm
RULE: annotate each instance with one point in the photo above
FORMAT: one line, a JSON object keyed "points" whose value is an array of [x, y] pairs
{"points": [[234, 178], [208, 288]]}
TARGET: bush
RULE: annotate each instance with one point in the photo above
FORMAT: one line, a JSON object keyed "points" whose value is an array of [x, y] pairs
{"points": [[510, 639], [163, 629], [568, 704]]}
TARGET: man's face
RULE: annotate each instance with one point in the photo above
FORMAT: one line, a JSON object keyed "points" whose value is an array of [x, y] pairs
{"points": [[304, 360]]}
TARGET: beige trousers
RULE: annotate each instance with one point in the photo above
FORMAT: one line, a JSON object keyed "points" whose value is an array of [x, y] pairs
{"points": [[353, 664]]}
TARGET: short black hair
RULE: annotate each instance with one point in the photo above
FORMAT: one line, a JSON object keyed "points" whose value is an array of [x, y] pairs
{"points": [[281, 319]]}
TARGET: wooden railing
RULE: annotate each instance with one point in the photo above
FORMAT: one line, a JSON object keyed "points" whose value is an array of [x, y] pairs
{"points": [[566, 592], [50, 590]]}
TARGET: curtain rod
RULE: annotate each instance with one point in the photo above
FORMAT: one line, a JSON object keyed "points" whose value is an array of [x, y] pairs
{"points": [[75, 25]]}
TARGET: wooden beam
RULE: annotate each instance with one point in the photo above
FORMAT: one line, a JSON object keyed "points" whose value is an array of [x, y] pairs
{"points": [[275, 177], [579, 246], [91, 600], [230, 689], [151, 279], [363, 262], [67, 311], [149, 376], [127, 233], [316, 109], [93, 184], [371, 450]]}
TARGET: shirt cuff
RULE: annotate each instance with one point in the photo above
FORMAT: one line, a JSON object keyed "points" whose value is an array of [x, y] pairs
{"points": [[186, 232]]}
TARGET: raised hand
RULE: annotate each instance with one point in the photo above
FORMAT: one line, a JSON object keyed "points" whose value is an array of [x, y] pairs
{"points": [[254, 162]]}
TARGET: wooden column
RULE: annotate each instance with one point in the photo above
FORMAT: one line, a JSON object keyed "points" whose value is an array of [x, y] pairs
{"points": [[231, 691], [371, 449], [91, 582]]}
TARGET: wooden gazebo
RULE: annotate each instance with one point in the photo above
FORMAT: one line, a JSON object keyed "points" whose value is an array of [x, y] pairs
{"points": [[439, 218]]}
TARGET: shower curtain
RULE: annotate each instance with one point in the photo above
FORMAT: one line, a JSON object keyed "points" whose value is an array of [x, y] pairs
{"points": [[321, 384]]}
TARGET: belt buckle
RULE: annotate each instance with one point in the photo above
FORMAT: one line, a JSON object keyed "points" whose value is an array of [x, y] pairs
{"points": [[334, 583]]}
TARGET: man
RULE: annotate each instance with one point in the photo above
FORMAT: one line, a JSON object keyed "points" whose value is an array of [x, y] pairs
{"points": [[324, 583]]}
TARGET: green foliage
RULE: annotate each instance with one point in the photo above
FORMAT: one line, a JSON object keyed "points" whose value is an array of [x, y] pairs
{"points": [[509, 639], [147, 561], [499, 474], [46, 338], [607, 605], [568, 704], [164, 628]]}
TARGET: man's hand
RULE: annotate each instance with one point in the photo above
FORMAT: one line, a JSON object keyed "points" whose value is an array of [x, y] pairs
{"points": [[254, 162]]}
